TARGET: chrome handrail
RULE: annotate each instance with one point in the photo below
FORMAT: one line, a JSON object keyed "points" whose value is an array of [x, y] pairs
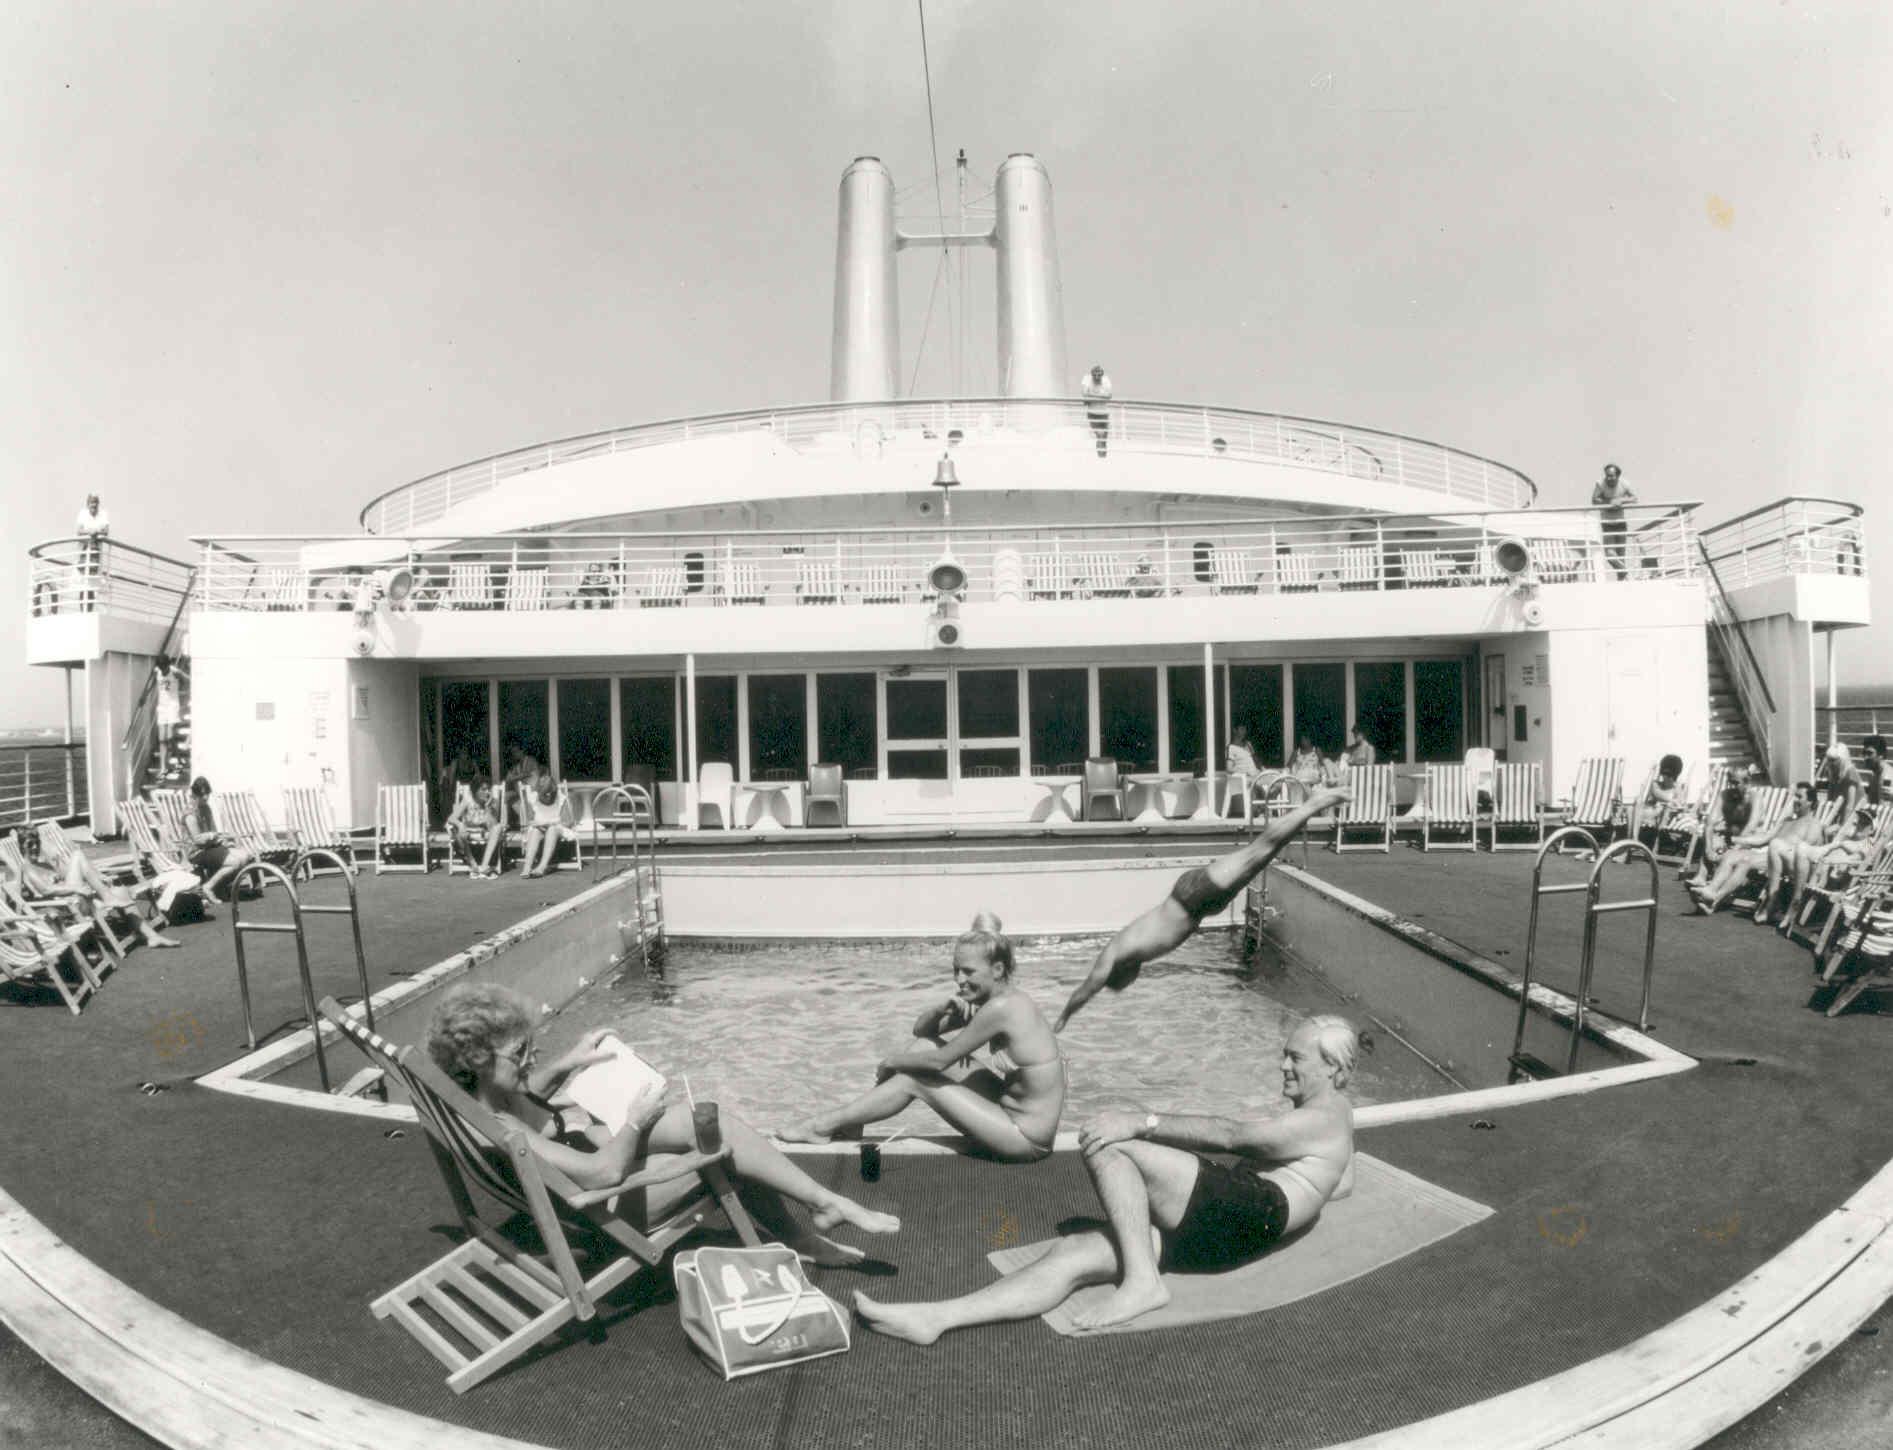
{"points": [[1593, 909], [1538, 891]]}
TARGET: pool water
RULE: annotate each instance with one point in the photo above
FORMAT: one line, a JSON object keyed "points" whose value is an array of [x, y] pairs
{"points": [[776, 1031]]}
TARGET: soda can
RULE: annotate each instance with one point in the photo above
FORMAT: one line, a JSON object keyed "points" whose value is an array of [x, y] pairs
{"points": [[709, 1128], [870, 1162]]}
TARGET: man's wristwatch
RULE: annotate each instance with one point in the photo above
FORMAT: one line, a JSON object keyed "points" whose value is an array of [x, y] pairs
{"points": [[1150, 1124]]}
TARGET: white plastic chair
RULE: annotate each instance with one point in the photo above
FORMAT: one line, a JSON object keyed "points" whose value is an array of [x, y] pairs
{"points": [[716, 791]]}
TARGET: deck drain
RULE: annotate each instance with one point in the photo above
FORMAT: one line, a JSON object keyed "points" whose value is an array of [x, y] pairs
{"points": [[1743, 1061], [1484, 1125], [152, 1089], [395, 1133]]}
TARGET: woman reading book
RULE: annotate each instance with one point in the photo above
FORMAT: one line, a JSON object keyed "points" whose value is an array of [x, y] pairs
{"points": [[481, 1036], [1011, 1107]]}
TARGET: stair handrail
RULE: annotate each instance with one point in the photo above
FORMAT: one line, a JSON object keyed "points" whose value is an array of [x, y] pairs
{"points": [[142, 725], [1751, 685]]}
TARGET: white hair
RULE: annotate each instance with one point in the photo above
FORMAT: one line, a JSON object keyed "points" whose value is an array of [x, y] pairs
{"points": [[1337, 1042]]}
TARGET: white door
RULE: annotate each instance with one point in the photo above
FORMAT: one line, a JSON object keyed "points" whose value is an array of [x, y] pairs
{"points": [[1632, 702]]}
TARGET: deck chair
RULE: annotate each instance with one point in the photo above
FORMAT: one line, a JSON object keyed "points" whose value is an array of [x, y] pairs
{"points": [[1109, 575], [1371, 809], [1866, 892], [1689, 823], [815, 582], [1517, 788], [56, 909], [485, 1303], [1043, 577], [31, 948], [881, 584], [663, 589], [526, 590], [1555, 561], [827, 800], [282, 586], [1747, 896], [469, 586], [312, 825], [1359, 566], [159, 866], [240, 815], [742, 583], [1829, 882], [1862, 955], [1595, 796], [1452, 805], [173, 811], [1425, 568], [56, 848], [1103, 791], [1295, 573], [716, 791], [401, 824], [1231, 571]]}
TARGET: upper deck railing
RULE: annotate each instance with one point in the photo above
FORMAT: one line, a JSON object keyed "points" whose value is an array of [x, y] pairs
{"points": [[1794, 535], [864, 429], [538, 571], [82, 576]]}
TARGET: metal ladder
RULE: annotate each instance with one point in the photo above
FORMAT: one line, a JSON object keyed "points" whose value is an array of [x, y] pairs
{"points": [[1525, 1064], [264, 873], [635, 811]]}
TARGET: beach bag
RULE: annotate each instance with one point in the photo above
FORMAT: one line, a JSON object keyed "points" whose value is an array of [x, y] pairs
{"points": [[748, 1310]]}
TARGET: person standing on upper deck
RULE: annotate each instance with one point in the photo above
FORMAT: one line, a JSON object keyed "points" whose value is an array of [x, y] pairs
{"points": [[1097, 394], [91, 526], [1609, 498]]}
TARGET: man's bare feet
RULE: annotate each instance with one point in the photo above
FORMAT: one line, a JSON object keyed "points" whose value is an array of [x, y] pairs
{"points": [[911, 1322], [840, 1209], [1126, 1303], [803, 1132], [820, 1249]]}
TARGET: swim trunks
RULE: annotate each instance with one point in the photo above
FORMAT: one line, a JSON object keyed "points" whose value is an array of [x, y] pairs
{"points": [[1233, 1216], [1197, 894]]}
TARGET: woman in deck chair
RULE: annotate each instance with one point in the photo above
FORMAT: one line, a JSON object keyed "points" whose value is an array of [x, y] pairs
{"points": [[82, 880], [544, 825], [481, 1036], [1661, 798], [474, 826], [213, 855], [1011, 1107]]}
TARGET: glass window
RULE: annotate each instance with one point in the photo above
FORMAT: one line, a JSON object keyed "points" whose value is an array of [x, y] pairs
{"points": [[1320, 704], [647, 726], [464, 727], [778, 726], [1060, 706], [1186, 718], [1439, 709], [1380, 706], [716, 720], [989, 704], [585, 729], [1127, 717], [989, 760], [917, 764], [846, 711], [917, 709], [1255, 693], [525, 722]]}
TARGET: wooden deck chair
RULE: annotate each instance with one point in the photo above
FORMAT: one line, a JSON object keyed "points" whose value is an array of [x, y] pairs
{"points": [[742, 583], [1862, 953], [469, 586], [56, 848], [1371, 809], [815, 582], [716, 791], [240, 815], [1595, 796], [1425, 568], [31, 948], [1110, 576], [1517, 790], [1555, 561], [482, 1305], [282, 586], [160, 867], [881, 584], [1829, 882], [1360, 566], [1231, 572], [1295, 573], [1687, 824], [56, 909], [1451, 806], [1867, 890], [526, 590], [1747, 896], [172, 809], [312, 825], [1044, 577], [663, 589], [401, 824]]}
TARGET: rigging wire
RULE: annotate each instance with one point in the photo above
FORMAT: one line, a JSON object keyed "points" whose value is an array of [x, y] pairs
{"points": [[939, 198], [920, 349]]}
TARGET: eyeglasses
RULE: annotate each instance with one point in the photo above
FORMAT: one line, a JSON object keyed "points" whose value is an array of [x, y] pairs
{"points": [[521, 1057]]}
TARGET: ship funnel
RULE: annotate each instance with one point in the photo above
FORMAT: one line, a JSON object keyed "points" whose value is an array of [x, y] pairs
{"points": [[1031, 301], [866, 358]]}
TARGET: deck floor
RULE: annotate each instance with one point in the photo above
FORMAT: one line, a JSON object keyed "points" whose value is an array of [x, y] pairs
{"points": [[1616, 1211]]}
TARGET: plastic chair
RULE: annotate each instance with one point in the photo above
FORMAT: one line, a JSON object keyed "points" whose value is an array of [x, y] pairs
{"points": [[716, 791], [1104, 792], [827, 802]]}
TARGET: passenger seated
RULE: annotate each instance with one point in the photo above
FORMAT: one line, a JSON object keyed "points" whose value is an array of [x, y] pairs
{"points": [[474, 826], [1846, 848], [81, 881], [1752, 852], [1009, 1106], [481, 1036], [544, 829], [1306, 764], [1660, 798], [1840, 780], [1729, 820], [212, 855]]}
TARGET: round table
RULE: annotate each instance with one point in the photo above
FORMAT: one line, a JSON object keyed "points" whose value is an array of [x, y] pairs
{"points": [[768, 809], [1055, 787]]}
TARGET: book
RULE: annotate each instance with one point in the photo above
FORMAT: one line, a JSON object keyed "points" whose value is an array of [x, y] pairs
{"points": [[606, 1090]]}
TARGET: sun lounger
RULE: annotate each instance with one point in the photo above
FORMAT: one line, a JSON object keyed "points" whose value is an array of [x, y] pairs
{"points": [[1451, 806], [1517, 790], [469, 586], [401, 824], [742, 583], [240, 816], [1595, 796], [1371, 808], [526, 590], [663, 589], [312, 825], [815, 582], [31, 949], [1231, 572], [486, 1302]]}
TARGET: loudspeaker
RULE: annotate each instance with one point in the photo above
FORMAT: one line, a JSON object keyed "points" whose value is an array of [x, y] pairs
{"points": [[1533, 613], [944, 630], [363, 644], [1512, 557], [946, 576], [396, 584]]}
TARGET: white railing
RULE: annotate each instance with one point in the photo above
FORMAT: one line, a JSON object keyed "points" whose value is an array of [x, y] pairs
{"points": [[532, 572], [76, 576], [866, 429], [1789, 536], [38, 782]]}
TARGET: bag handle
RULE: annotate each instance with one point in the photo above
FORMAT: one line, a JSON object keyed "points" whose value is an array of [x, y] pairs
{"points": [[787, 1312]]}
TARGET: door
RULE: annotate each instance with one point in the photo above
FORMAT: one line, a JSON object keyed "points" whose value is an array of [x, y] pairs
{"points": [[1631, 700], [914, 705]]}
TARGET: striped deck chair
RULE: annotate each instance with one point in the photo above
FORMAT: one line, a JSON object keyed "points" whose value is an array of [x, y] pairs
{"points": [[815, 582], [1687, 824], [1110, 576], [1425, 568], [1555, 561], [170, 813], [1452, 806], [1360, 566], [1043, 577], [663, 589], [1232, 572], [1830, 882], [1769, 808], [526, 590], [56, 848], [1867, 890], [282, 586], [60, 912], [469, 586], [1371, 809], [1517, 788], [160, 867], [881, 584], [1861, 953], [312, 825], [1296, 571], [401, 824], [240, 814], [1748, 895], [1595, 796], [742, 583], [31, 948], [490, 1300]]}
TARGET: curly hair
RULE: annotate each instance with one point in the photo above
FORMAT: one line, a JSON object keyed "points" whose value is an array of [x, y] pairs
{"points": [[993, 943], [471, 1021]]}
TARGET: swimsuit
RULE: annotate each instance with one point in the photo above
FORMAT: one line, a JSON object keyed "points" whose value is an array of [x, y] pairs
{"points": [[1233, 1216], [1201, 897]]}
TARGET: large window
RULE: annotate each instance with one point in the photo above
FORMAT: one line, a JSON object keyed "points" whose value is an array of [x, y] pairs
{"points": [[716, 720], [465, 730], [1255, 700], [647, 727], [778, 727], [1127, 717], [585, 730], [1439, 709], [1187, 748], [989, 721], [1060, 706], [525, 722], [1380, 706], [846, 712], [1321, 706]]}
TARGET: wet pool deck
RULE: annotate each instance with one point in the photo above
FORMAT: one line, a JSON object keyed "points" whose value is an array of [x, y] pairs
{"points": [[1616, 1211]]}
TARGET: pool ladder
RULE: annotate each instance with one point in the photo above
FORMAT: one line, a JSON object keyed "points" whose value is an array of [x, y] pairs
{"points": [[1523, 1063], [632, 809], [263, 873]]}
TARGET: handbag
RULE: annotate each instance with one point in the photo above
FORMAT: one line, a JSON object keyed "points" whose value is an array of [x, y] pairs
{"points": [[748, 1310]]}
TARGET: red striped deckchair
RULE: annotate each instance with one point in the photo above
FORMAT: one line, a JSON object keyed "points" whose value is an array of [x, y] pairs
{"points": [[312, 824], [1451, 806], [1517, 788], [240, 815], [401, 823], [1370, 809], [1595, 795], [31, 948], [492, 1298]]}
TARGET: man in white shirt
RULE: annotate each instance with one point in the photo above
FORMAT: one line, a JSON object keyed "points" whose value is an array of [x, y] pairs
{"points": [[1097, 394], [91, 526]]}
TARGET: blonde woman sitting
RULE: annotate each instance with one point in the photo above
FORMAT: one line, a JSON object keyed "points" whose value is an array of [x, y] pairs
{"points": [[545, 824]]}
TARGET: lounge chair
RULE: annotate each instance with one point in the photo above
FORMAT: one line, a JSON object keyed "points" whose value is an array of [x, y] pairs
{"points": [[1103, 790], [240, 816], [1517, 788], [881, 584], [56, 848], [1426, 568], [30, 948], [1044, 577], [56, 909], [1555, 561], [815, 582], [1231, 571], [1691, 822], [1295, 572], [312, 825], [1452, 806], [482, 1305], [526, 590], [1360, 567], [153, 858], [282, 586], [401, 824], [469, 586], [1595, 796], [716, 791], [173, 811], [663, 589], [1862, 954], [1866, 892], [827, 800], [1371, 808], [1829, 883], [742, 583]]}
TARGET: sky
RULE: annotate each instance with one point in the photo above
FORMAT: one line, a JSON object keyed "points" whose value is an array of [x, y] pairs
{"points": [[262, 262]]}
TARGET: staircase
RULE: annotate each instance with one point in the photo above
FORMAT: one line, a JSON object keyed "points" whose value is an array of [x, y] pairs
{"points": [[1730, 742]]}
